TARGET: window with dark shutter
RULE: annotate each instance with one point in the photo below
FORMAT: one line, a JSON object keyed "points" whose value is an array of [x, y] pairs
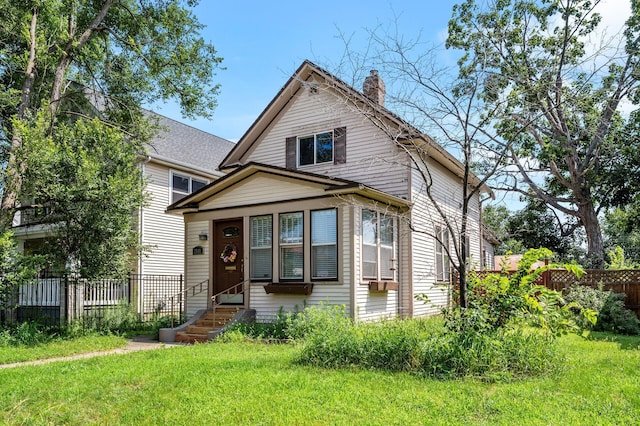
{"points": [[317, 148], [340, 145], [291, 160]]}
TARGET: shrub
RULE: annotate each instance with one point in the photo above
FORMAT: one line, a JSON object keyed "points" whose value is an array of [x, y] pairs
{"points": [[425, 346], [614, 317], [612, 314], [502, 355], [316, 319], [27, 334], [496, 300], [117, 319]]}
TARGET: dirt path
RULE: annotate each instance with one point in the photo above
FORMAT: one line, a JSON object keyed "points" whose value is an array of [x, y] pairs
{"points": [[139, 343]]}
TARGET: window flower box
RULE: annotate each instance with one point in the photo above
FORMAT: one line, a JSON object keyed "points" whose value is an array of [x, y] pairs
{"points": [[301, 288], [383, 286]]}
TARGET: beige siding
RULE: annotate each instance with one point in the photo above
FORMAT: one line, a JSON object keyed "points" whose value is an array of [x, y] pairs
{"points": [[370, 305], [162, 233], [447, 191], [372, 158], [262, 189], [267, 306], [197, 266]]}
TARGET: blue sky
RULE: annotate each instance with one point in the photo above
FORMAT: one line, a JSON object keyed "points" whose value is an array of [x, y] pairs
{"points": [[264, 42]]}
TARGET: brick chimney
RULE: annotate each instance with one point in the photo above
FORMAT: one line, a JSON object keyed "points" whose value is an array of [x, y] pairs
{"points": [[373, 88]]}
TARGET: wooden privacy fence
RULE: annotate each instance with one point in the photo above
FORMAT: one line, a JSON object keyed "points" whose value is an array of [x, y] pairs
{"points": [[626, 281]]}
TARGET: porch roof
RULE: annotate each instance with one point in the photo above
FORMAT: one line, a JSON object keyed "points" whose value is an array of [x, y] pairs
{"points": [[332, 187]]}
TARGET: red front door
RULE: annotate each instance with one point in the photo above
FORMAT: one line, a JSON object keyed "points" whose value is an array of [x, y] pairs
{"points": [[228, 261]]}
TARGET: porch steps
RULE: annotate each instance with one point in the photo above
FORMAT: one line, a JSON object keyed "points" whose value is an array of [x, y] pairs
{"points": [[210, 321]]}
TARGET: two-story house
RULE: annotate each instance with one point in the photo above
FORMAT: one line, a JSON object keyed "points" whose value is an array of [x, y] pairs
{"points": [[320, 205], [179, 161]]}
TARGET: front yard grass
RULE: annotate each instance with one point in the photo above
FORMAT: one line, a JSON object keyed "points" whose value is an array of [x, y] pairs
{"points": [[254, 383], [59, 348]]}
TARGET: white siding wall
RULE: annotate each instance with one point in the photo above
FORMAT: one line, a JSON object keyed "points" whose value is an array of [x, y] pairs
{"points": [[268, 305], [197, 265], [489, 256], [372, 158], [163, 233], [447, 190]]}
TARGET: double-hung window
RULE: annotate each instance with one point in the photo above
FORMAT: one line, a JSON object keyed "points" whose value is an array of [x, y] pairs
{"points": [[261, 247], [443, 264], [379, 238], [183, 185], [324, 244], [315, 149], [291, 246]]}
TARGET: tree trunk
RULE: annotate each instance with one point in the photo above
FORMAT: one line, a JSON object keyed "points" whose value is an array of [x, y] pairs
{"points": [[12, 183], [595, 243], [16, 166], [462, 282]]}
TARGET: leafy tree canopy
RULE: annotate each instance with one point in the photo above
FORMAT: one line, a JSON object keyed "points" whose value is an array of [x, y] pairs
{"points": [[559, 96], [64, 63]]}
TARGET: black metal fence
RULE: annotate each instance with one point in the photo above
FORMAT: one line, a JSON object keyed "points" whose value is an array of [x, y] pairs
{"points": [[59, 299]]}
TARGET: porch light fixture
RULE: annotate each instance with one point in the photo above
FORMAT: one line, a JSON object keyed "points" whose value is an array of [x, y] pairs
{"points": [[203, 236]]}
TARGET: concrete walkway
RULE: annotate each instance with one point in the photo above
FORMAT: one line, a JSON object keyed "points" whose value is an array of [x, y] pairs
{"points": [[139, 343]]}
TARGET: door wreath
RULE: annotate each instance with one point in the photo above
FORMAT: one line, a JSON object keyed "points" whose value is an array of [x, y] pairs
{"points": [[229, 254]]}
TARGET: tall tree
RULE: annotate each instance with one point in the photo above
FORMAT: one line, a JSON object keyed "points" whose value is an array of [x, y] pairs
{"points": [[75, 59], [542, 68], [441, 112], [87, 185]]}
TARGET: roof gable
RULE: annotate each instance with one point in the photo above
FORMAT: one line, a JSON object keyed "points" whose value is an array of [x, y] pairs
{"points": [[309, 74], [259, 183]]}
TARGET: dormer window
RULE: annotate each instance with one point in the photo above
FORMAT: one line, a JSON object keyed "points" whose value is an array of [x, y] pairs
{"points": [[315, 149]]}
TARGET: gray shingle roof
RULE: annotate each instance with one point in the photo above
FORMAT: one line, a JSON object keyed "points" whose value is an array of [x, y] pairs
{"points": [[187, 146]]}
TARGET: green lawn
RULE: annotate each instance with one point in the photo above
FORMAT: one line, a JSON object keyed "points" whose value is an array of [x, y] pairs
{"points": [[248, 383], [59, 348]]}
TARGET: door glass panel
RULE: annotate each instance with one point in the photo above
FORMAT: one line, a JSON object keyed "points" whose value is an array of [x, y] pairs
{"points": [[230, 232]]}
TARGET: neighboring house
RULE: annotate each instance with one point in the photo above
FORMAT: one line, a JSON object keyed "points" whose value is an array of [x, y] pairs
{"points": [[180, 160], [316, 209], [510, 262]]}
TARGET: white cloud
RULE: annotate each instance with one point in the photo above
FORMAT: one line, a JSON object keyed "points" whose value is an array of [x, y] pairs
{"points": [[614, 14]]}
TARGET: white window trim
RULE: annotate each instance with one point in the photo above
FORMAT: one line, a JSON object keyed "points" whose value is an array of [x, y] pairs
{"points": [[291, 245], [314, 135], [191, 177], [269, 247], [442, 259], [333, 244], [379, 245]]}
